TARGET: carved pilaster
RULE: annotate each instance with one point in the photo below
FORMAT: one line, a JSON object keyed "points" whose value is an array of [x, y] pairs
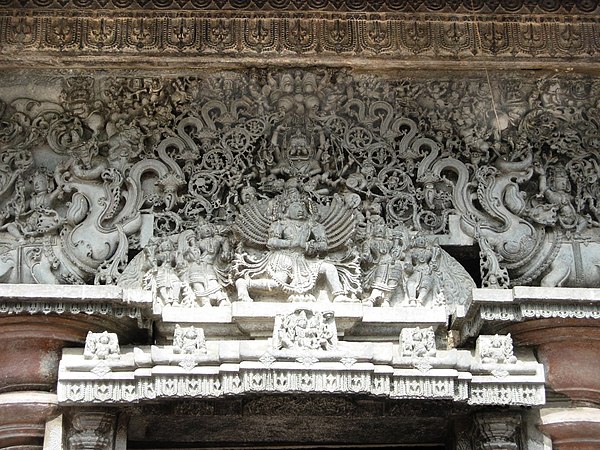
{"points": [[93, 429], [497, 431]]}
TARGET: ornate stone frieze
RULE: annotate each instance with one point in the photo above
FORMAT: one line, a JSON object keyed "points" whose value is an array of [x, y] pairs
{"points": [[498, 6], [108, 304], [300, 185], [130, 35], [236, 367]]}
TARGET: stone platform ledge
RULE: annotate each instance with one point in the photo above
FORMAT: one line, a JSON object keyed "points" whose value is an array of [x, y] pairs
{"points": [[494, 307], [142, 374], [256, 319]]}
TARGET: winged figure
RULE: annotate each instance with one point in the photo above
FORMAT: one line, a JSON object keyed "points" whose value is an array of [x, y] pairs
{"points": [[295, 237]]}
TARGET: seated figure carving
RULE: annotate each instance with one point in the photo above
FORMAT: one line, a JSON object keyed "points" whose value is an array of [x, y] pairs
{"points": [[39, 218], [292, 247]]}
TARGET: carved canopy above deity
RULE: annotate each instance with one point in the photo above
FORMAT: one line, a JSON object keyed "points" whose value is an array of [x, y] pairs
{"points": [[300, 185]]}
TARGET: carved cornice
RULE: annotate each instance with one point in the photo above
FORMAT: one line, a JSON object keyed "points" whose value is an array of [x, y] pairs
{"points": [[452, 6], [126, 35], [135, 376], [493, 309]]}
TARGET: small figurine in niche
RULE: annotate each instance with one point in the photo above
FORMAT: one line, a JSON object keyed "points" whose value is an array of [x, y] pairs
{"points": [[305, 329], [417, 342], [420, 273], [103, 345], [188, 340], [496, 349], [168, 284], [328, 331], [384, 252]]}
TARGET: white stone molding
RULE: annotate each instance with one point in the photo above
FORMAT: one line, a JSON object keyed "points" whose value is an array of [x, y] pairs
{"points": [[257, 319], [75, 299], [239, 367], [498, 306]]}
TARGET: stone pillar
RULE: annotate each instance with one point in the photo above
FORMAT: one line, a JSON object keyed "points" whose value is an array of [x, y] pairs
{"points": [[32, 347], [570, 352], [572, 428], [31, 350], [23, 417], [36, 323]]}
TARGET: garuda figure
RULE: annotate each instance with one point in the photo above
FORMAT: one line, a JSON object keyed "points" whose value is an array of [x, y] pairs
{"points": [[290, 248]]}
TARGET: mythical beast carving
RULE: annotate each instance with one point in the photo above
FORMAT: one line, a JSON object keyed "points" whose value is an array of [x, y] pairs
{"points": [[85, 238], [539, 236]]}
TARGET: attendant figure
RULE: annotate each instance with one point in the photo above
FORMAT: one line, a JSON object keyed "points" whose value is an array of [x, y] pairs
{"points": [[201, 275]]}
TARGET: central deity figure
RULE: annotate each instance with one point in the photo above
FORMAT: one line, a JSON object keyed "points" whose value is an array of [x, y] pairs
{"points": [[294, 242]]}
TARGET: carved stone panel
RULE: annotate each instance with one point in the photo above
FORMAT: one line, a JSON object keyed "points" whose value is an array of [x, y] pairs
{"points": [[301, 185]]}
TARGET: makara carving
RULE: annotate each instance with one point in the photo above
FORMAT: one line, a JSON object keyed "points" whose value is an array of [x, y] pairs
{"points": [[300, 186]]}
